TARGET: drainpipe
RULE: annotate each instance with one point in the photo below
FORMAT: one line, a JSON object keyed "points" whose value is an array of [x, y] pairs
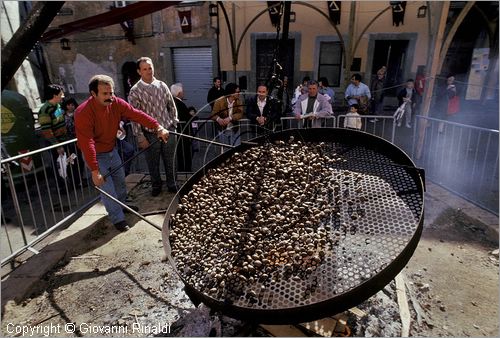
{"points": [[349, 46], [217, 32], [235, 56]]}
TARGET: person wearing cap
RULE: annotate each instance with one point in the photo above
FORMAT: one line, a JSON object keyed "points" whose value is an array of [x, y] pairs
{"points": [[97, 122]]}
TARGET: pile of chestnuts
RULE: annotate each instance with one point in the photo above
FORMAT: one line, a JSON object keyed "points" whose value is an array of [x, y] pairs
{"points": [[272, 211]]}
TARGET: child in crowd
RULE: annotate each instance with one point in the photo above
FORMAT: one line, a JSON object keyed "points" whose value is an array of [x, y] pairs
{"points": [[69, 106], [353, 119], [409, 95]]}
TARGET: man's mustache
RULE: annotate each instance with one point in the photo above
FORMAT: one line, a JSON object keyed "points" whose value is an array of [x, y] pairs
{"points": [[108, 100]]}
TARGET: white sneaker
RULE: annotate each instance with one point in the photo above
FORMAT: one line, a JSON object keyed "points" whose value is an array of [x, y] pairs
{"points": [[374, 120], [399, 124], [408, 125]]}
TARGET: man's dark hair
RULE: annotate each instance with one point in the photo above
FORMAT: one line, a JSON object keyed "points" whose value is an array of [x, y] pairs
{"points": [[96, 80], [355, 105], [216, 78], [410, 80], [312, 82], [68, 101], [356, 77], [52, 90], [306, 78], [324, 81], [231, 88], [262, 84], [142, 59]]}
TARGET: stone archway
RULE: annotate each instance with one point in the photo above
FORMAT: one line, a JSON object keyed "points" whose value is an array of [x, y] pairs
{"points": [[235, 45]]}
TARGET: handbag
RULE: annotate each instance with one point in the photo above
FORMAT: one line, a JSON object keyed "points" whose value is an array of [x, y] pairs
{"points": [[453, 105]]}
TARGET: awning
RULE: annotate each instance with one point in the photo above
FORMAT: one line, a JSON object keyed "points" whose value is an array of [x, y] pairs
{"points": [[114, 16]]}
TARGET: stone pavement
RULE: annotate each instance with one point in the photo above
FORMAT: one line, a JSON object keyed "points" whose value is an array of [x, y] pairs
{"points": [[24, 280]]}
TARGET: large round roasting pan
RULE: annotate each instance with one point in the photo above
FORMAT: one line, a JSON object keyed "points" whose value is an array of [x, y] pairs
{"points": [[363, 262]]}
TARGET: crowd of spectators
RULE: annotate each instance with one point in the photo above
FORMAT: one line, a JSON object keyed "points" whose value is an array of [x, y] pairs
{"points": [[310, 102]]}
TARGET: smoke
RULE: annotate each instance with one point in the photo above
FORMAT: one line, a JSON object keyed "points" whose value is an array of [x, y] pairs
{"points": [[462, 159]]}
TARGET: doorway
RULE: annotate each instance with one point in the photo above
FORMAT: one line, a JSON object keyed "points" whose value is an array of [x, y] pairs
{"points": [[264, 57], [129, 76], [392, 54]]}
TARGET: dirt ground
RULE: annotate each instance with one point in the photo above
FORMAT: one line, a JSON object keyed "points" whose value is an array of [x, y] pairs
{"points": [[113, 279]]}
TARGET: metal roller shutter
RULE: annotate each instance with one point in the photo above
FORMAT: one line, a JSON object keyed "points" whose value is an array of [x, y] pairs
{"points": [[193, 68]]}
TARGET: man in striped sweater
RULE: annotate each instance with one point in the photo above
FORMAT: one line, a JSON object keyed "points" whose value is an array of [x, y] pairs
{"points": [[154, 98]]}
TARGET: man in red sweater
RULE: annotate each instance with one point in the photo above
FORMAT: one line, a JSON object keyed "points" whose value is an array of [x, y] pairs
{"points": [[96, 124]]}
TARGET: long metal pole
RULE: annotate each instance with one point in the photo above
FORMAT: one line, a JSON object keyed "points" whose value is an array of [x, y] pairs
{"points": [[202, 139], [128, 208], [157, 140], [123, 205]]}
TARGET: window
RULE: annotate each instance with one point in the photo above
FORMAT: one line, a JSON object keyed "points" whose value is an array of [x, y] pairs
{"points": [[330, 62]]}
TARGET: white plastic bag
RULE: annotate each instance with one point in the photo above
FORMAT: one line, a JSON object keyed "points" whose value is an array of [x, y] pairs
{"points": [[62, 163], [400, 111]]}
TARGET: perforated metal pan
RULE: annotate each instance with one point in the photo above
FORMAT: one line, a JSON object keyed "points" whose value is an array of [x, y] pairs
{"points": [[364, 253]]}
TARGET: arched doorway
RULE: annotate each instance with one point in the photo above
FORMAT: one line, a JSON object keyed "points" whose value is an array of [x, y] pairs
{"points": [[129, 76]]}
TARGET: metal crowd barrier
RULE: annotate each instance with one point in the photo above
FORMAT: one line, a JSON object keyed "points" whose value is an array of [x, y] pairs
{"points": [[382, 126], [461, 158], [36, 200], [38, 196], [199, 153], [290, 122]]}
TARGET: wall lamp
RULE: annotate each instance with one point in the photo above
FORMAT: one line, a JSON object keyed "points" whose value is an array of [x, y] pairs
{"points": [[422, 11], [213, 10], [65, 44]]}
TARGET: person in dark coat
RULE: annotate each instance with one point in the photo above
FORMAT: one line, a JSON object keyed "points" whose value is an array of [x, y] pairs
{"points": [[215, 92], [183, 149], [263, 110], [377, 91]]}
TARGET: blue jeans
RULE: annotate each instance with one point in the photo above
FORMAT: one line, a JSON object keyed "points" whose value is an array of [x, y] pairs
{"points": [[230, 136], [126, 151], [165, 151], [114, 184]]}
